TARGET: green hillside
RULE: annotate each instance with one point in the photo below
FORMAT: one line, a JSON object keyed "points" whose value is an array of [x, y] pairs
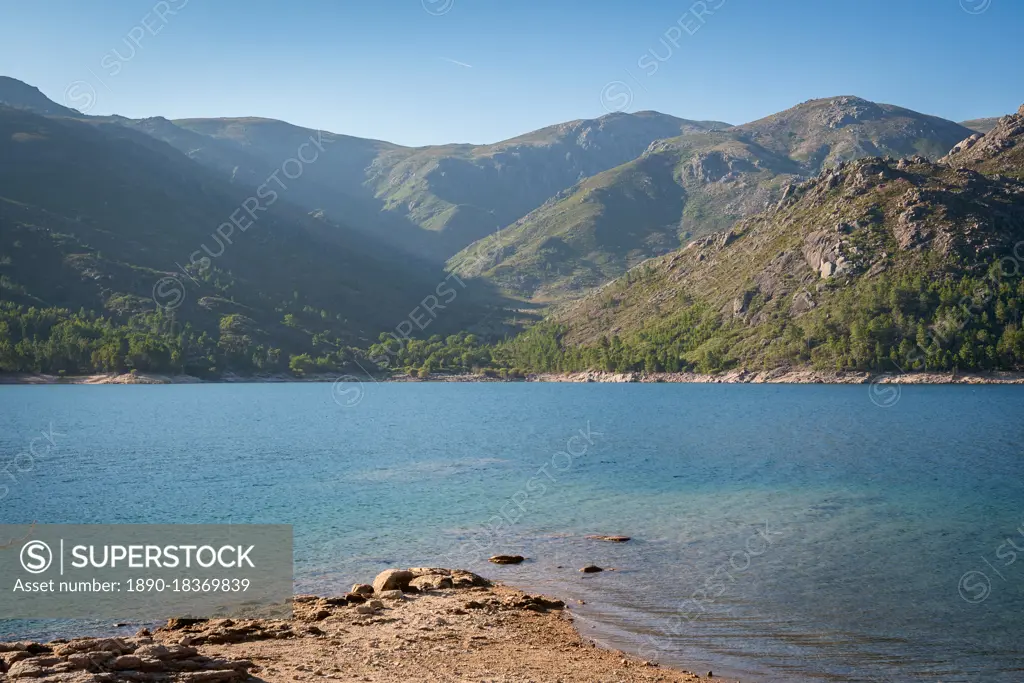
{"points": [[689, 186]]}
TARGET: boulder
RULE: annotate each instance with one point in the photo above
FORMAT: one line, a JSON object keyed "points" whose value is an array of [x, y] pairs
{"points": [[392, 579], [362, 589], [178, 624], [429, 582], [506, 559], [390, 595], [466, 579], [591, 569]]}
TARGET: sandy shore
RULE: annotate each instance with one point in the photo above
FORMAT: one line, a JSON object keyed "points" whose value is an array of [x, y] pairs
{"points": [[448, 626], [778, 376]]}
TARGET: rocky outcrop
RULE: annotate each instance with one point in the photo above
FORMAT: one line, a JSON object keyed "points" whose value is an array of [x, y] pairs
{"points": [[1001, 150], [112, 660]]}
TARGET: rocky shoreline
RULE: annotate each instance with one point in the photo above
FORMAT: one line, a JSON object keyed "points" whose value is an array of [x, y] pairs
{"points": [[776, 376], [420, 624]]}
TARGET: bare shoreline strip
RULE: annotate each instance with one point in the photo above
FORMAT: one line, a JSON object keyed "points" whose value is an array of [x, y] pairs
{"points": [[437, 625], [777, 376]]}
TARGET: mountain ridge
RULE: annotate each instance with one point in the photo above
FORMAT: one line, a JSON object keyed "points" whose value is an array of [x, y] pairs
{"points": [[715, 178], [873, 264]]}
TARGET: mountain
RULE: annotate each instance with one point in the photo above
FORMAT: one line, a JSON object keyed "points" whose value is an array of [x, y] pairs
{"points": [[426, 201], [100, 224], [981, 125], [998, 152], [431, 201], [873, 264], [687, 186], [19, 95]]}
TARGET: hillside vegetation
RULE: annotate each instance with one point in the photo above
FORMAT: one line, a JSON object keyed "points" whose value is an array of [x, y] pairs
{"points": [[689, 186], [114, 256], [873, 264]]}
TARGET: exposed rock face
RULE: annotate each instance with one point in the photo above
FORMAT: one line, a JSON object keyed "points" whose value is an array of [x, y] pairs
{"points": [[715, 166], [998, 151], [823, 252], [844, 111]]}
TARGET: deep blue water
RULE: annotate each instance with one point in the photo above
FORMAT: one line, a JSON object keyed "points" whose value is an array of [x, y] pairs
{"points": [[824, 536]]}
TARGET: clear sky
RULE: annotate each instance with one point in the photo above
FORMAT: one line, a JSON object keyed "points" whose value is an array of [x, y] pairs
{"points": [[433, 71]]}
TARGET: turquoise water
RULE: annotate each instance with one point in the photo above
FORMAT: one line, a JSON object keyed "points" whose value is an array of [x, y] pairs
{"points": [[797, 533]]}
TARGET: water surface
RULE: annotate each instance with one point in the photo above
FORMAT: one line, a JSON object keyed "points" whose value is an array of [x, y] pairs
{"points": [[798, 533]]}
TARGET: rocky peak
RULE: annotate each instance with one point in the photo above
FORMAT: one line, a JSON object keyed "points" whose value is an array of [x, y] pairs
{"points": [[844, 111]]}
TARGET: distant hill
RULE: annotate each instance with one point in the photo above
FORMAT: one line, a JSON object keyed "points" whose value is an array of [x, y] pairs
{"points": [[981, 125], [999, 151], [687, 186], [94, 215], [19, 95], [873, 264], [435, 200]]}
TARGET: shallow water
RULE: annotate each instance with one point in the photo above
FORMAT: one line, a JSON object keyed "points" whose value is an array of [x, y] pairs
{"points": [[779, 532]]}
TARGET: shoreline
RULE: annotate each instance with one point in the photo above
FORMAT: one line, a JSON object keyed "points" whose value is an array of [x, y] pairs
{"points": [[418, 624], [777, 376]]}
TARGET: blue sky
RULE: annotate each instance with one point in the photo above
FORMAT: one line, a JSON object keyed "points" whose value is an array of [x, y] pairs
{"points": [[433, 71]]}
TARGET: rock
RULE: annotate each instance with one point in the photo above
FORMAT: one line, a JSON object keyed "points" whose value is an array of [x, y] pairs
{"points": [[506, 559], [365, 609], [355, 598], [390, 595], [610, 539], [26, 668], [125, 662], [362, 589], [213, 676], [423, 571], [466, 579], [430, 582], [153, 652], [802, 302], [591, 569], [178, 624], [392, 579], [740, 303], [10, 657], [376, 604]]}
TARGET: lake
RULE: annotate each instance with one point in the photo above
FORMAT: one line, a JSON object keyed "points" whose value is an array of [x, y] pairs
{"points": [[799, 533]]}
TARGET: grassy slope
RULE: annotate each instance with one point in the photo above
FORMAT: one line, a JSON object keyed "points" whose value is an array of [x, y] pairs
{"points": [[93, 216], [435, 200], [924, 225], [689, 186]]}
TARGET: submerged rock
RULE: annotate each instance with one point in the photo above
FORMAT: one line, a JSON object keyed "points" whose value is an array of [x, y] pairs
{"points": [[507, 559]]}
